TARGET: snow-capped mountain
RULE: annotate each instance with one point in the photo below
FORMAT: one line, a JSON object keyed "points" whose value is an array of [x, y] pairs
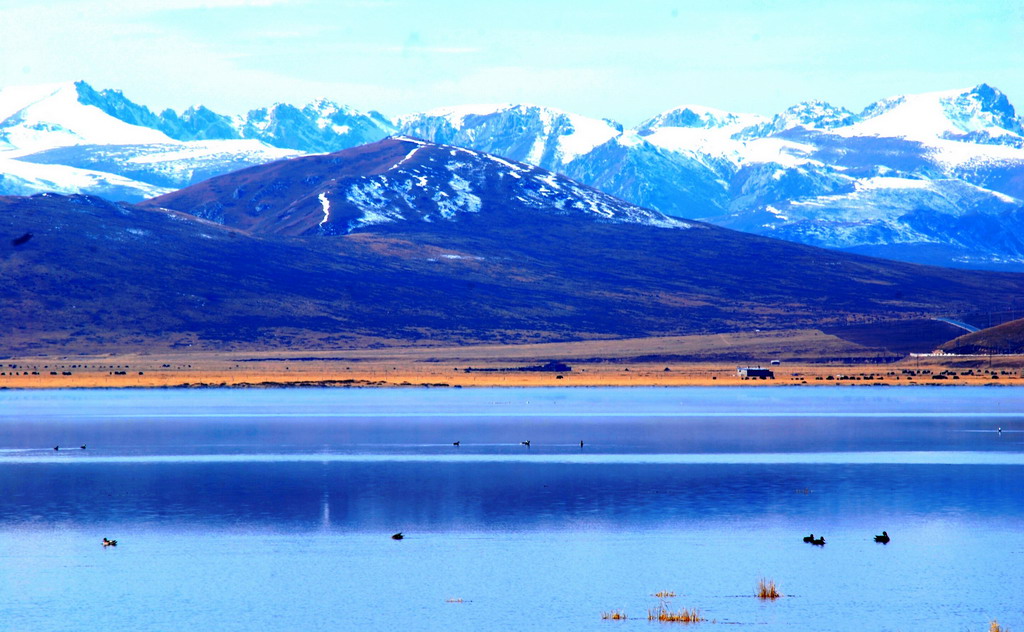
{"points": [[934, 178], [397, 181], [320, 126], [544, 137], [683, 184], [807, 115], [104, 144], [34, 118], [919, 177], [982, 115]]}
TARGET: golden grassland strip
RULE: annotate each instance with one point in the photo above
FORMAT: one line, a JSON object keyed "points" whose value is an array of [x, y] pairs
{"points": [[627, 363], [290, 374]]}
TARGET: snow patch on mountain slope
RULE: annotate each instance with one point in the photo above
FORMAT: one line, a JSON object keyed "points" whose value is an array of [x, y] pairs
{"points": [[587, 134], [25, 178], [777, 150], [514, 169], [696, 141], [890, 198], [173, 164], [703, 133], [565, 196], [325, 205], [952, 154], [550, 180], [369, 196], [209, 150], [892, 182], [461, 199], [409, 139], [406, 158], [629, 138], [541, 138]]}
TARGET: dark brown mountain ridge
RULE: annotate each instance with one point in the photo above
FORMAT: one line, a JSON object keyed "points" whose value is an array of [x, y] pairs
{"points": [[1004, 338], [421, 244]]}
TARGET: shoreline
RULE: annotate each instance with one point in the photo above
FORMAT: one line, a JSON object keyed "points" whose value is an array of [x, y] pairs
{"points": [[216, 372]]}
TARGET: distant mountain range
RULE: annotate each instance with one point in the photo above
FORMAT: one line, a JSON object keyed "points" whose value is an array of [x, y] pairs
{"points": [[935, 178], [406, 242]]}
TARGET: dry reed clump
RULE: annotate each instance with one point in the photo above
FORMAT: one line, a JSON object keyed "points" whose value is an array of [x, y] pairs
{"points": [[663, 614], [615, 615], [766, 589], [664, 594], [995, 627]]}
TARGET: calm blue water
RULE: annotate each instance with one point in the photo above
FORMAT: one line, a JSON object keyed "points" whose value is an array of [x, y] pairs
{"points": [[272, 509]]}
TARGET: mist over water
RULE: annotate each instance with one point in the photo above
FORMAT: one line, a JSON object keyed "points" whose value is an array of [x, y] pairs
{"points": [[273, 510]]}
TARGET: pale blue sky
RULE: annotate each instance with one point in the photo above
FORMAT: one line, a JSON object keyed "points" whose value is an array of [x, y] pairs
{"points": [[621, 60]]}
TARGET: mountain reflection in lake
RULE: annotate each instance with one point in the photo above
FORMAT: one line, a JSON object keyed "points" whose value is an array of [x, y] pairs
{"points": [[272, 510]]}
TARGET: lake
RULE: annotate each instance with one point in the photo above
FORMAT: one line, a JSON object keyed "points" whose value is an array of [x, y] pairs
{"points": [[273, 510]]}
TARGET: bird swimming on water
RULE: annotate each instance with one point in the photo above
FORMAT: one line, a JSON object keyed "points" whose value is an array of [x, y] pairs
{"points": [[526, 443], [884, 538], [397, 536], [819, 541], [456, 443], [809, 538], [107, 542]]}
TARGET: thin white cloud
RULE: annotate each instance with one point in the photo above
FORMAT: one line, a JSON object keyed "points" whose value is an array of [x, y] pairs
{"points": [[98, 9], [178, 5], [433, 50]]}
